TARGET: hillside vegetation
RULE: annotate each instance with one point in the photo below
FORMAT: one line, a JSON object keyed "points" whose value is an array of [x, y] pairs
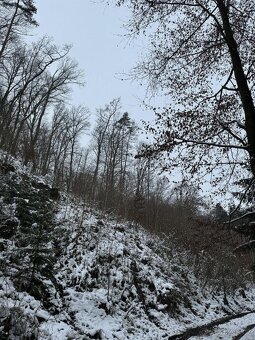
{"points": [[71, 271], [115, 239]]}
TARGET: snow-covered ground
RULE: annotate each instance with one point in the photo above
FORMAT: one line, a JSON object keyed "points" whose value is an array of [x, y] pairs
{"points": [[234, 329], [249, 335], [114, 280]]}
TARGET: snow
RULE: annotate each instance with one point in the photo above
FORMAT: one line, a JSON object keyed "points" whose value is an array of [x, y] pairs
{"points": [[231, 329], [100, 310], [250, 335], [56, 330], [120, 282]]}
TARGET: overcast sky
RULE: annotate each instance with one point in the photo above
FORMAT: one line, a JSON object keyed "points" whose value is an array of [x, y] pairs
{"points": [[97, 35]]}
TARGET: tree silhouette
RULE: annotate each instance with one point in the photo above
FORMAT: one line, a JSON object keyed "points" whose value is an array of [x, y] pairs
{"points": [[201, 55]]}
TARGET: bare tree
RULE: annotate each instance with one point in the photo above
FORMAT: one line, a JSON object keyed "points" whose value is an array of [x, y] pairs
{"points": [[104, 119], [78, 124], [54, 130], [117, 150], [15, 18], [33, 79], [202, 55]]}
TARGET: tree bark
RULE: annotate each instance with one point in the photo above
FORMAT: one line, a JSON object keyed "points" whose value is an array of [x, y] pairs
{"points": [[242, 83]]}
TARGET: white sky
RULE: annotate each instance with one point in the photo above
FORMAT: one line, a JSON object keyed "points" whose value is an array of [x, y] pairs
{"points": [[97, 35]]}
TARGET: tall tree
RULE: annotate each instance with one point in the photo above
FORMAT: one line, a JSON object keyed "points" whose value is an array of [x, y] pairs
{"points": [[16, 17], [105, 117], [78, 124], [202, 55], [127, 133]]}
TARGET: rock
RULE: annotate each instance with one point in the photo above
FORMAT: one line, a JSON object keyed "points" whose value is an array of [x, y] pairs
{"points": [[8, 228], [55, 194], [6, 168], [120, 228], [40, 185]]}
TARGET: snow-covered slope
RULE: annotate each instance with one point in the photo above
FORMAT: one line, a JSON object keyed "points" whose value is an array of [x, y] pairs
{"points": [[107, 279]]}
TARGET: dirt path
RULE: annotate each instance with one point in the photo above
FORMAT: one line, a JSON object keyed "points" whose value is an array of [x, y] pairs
{"points": [[208, 328], [246, 330]]}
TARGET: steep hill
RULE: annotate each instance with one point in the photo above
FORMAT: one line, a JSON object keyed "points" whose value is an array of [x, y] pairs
{"points": [[69, 271]]}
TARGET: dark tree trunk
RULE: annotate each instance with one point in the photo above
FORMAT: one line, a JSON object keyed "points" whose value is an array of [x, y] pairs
{"points": [[242, 83]]}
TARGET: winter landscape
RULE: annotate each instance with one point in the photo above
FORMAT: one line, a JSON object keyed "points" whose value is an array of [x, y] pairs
{"points": [[122, 225]]}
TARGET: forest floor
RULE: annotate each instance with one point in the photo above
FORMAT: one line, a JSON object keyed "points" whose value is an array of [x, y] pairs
{"points": [[237, 327], [111, 279]]}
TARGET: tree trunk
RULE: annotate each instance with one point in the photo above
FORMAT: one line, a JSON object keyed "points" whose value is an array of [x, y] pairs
{"points": [[242, 83], [8, 33]]}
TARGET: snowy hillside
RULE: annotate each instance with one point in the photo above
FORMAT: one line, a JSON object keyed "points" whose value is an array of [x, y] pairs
{"points": [[69, 271]]}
